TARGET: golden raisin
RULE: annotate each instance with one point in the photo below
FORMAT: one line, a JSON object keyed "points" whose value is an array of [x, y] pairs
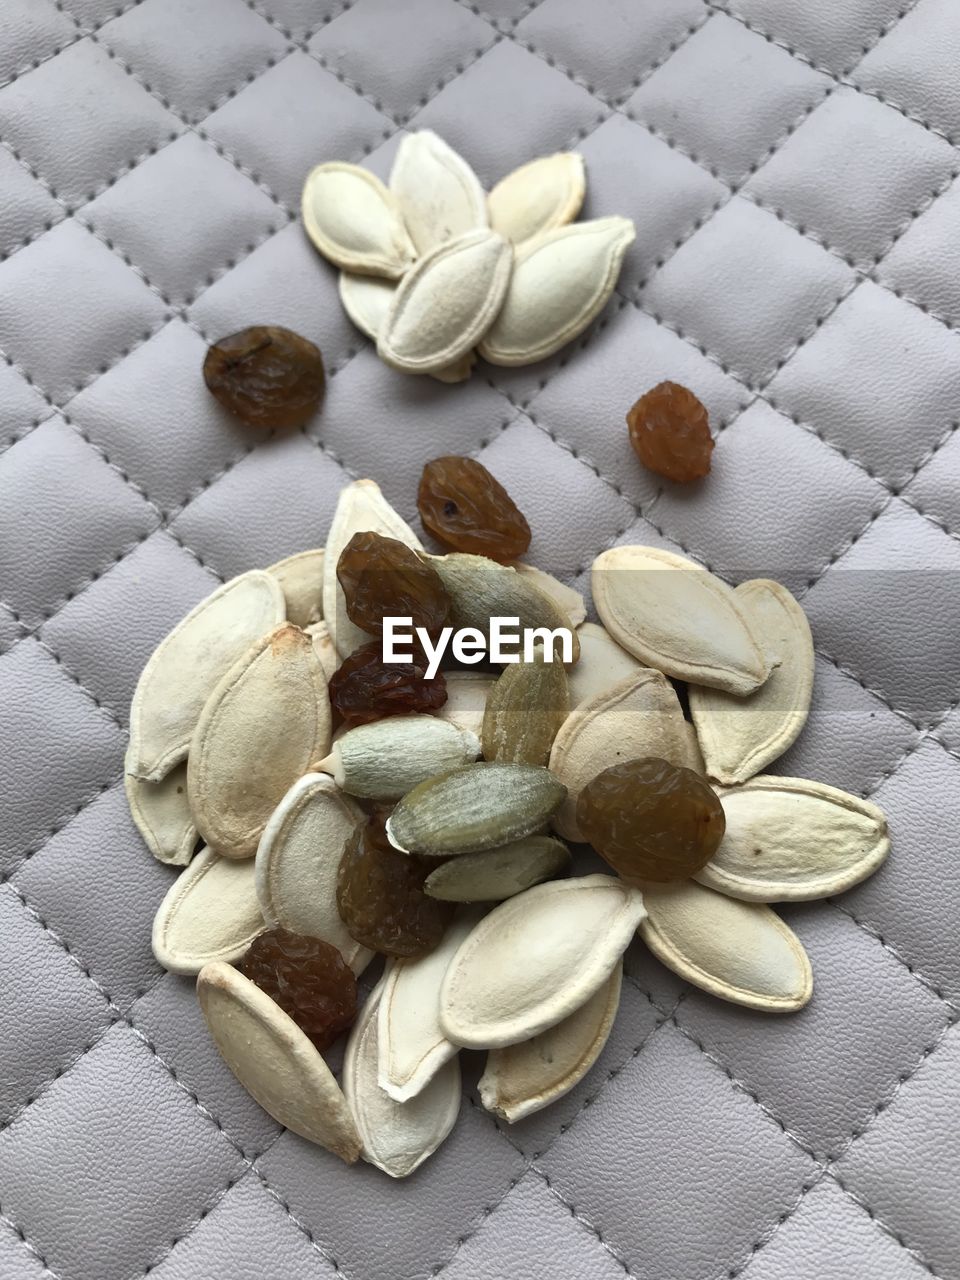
{"points": [[670, 433], [466, 509], [308, 978], [267, 375], [380, 895], [365, 688], [383, 578], [651, 820]]}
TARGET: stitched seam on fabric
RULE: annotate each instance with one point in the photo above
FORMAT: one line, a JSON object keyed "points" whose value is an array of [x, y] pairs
{"points": [[587, 1225], [875, 1218], [81, 34]]}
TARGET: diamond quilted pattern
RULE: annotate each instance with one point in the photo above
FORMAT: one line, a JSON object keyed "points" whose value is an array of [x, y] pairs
{"points": [[791, 173]]}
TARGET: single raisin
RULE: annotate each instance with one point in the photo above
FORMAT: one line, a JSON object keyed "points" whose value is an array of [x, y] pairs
{"points": [[651, 820], [670, 433], [268, 376], [381, 899], [383, 578], [466, 509], [365, 688], [308, 978]]}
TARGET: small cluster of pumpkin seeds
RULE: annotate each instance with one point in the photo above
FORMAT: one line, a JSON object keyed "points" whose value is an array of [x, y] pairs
{"points": [[232, 742]]}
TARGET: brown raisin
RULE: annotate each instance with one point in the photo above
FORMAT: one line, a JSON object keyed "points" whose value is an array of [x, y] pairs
{"points": [[268, 376], [651, 820], [466, 509], [383, 578], [365, 688], [381, 899], [308, 978], [670, 433]]}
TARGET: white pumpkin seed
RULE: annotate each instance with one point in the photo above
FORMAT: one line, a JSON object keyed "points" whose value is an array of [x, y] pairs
{"points": [[525, 710], [446, 302], [264, 723], [790, 840], [354, 221], [540, 196], [396, 1136], [739, 951], [301, 581], [570, 602], [675, 616], [162, 814], [275, 1061], [498, 874], [210, 913], [467, 693], [412, 1048], [741, 736], [640, 716], [536, 958], [477, 807], [602, 663], [523, 1078], [438, 193], [694, 755], [561, 282], [324, 648], [480, 589], [366, 300], [361, 508], [186, 665], [386, 759], [298, 859]]}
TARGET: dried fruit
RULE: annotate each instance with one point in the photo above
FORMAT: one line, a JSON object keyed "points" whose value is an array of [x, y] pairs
{"points": [[670, 433], [382, 578], [465, 508], [365, 688], [651, 820], [267, 376], [381, 899], [309, 980]]}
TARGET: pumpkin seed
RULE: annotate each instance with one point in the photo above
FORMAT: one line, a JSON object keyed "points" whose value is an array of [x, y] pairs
{"points": [[570, 602], [540, 196], [790, 840], [301, 581], [354, 221], [535, 959], [739, 951], [561, 282], [210, 913], [459, 371], [477, 807], [275, 1061], [361, 508], [500, 873], [162, 815], [523, 1078], [638, 717], [188, 663], [266, 720], [677, 617], [602, 664], [396, 1136], [297, 862], [386, 759], [741, 736], [324, 648], [438, 193], [525, 710], [412, 1048], [480, 589], [446, 302], [467, 693], [366, 300]]}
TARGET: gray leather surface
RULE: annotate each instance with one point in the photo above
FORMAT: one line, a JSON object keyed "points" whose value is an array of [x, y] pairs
{"points": [[791, 169]]}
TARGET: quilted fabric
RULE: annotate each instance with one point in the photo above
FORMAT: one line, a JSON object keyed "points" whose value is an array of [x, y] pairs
{"points": [[792, 172]]}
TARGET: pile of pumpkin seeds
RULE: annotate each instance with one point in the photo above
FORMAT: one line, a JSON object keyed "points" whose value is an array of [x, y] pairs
{"points": [[233, 745]]}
